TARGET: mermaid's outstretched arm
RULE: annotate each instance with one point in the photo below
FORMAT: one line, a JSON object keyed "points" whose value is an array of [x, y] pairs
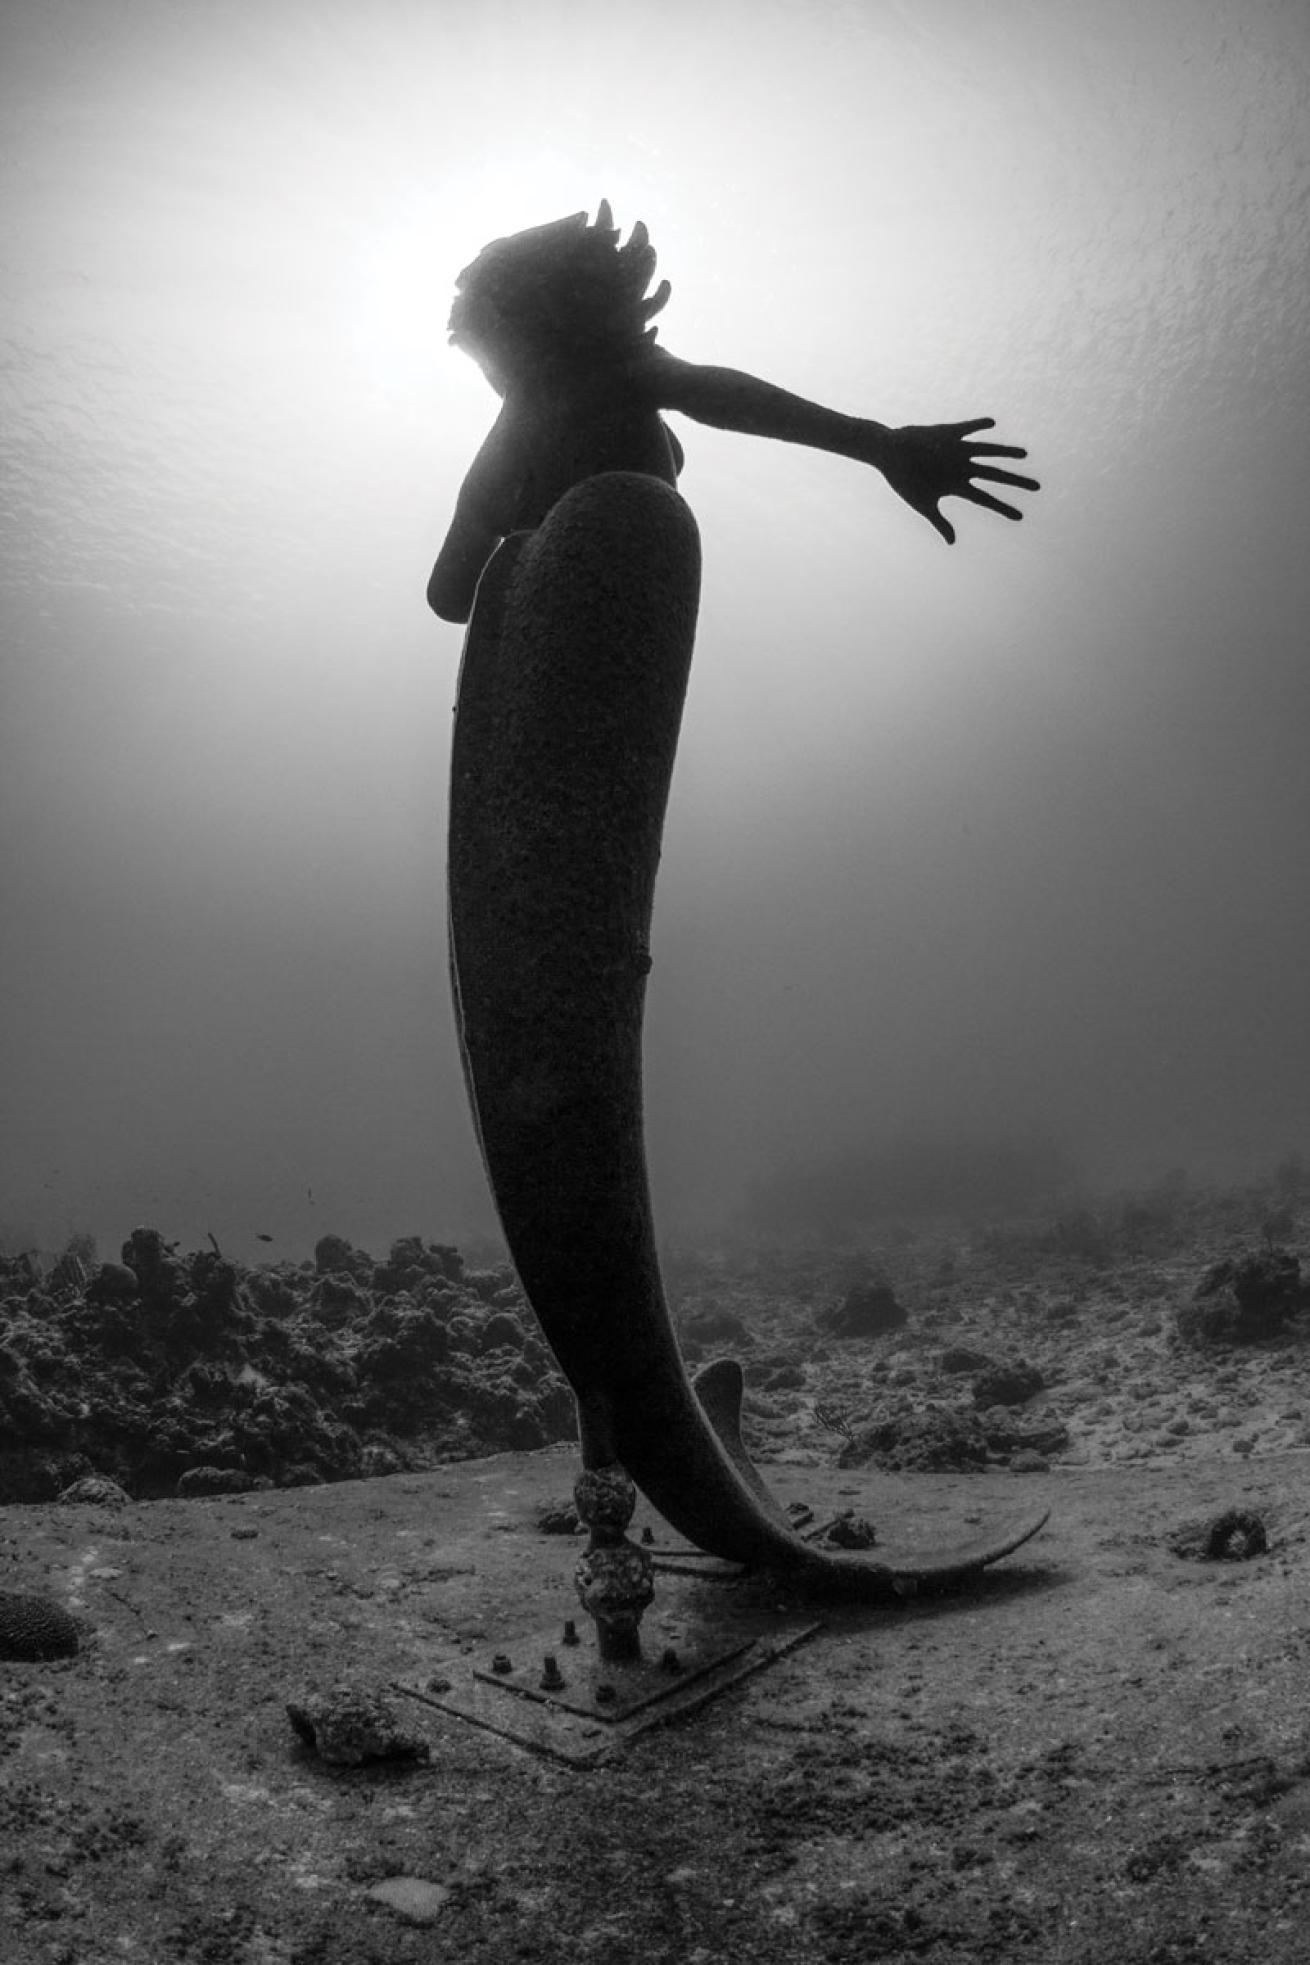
{"points": [[922, 463]]}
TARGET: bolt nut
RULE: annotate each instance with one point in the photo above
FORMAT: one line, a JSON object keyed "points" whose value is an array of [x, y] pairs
{"points": [[605, 1695], [552, 1678], [571, 1632], [669, 1660], [502, 1665]]}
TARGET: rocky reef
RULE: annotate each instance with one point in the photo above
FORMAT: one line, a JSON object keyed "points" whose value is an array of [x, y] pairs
{"points": [[1167, 1322], [190, 1373]]}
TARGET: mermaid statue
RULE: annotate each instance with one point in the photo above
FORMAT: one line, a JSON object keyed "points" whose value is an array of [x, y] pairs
{"points": [[577, 565]]}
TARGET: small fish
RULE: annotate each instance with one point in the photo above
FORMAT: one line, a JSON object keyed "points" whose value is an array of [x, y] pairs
{"points": [[264, 1238]]}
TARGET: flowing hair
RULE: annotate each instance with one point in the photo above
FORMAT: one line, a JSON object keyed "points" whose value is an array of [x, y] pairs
{"points": [[564, 293]]}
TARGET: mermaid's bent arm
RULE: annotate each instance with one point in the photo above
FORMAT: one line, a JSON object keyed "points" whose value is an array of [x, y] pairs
{"points": [[467, 547]]}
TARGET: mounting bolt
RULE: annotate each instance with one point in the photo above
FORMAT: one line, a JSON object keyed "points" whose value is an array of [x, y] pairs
{"points": [[571, 1632], [605, 1695], [502, 1665], [669, 1660], [552, 1678], [648, 1534]]}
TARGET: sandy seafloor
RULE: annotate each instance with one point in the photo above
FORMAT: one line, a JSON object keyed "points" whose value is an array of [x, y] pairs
{"points": [[1099, 1752]]}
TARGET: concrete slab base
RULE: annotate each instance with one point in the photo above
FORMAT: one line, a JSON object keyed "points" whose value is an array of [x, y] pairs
{"points": [[587, 1708]]}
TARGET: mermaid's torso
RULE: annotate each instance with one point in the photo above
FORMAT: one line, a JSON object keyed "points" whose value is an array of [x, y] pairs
{"points": [[547, 439]]}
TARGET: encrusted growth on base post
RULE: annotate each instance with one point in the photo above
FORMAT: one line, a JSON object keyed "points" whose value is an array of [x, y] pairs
{"points": [[614, 1577]]}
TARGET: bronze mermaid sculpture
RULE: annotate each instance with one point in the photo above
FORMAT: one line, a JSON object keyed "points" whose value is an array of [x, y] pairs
{"points": [[579, 564]]}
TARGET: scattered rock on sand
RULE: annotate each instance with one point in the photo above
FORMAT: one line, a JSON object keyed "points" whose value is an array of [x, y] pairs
{"points": [[851, 1531], [1009, 1384], [351, 1723], [867, 1310], [198, 1482], [935, 1438], [1236, 1535], [960, 1358], [713, 1325], [32, 1628], [412, 1898], [94, 1491], [1006, 1433], [1243, 1300], [558, 1518]]}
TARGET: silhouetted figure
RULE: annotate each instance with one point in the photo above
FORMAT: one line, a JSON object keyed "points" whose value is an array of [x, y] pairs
{"points": [[557, 319], [570, 697]]}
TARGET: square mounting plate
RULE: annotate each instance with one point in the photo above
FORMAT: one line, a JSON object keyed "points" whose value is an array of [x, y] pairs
{"points": [[600, 1706]]}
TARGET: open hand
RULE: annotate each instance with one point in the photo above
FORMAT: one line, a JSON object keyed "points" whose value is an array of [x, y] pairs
{"points": [[925, 463]]}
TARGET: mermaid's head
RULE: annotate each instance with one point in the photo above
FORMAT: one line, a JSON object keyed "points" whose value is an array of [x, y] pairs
{"points": [[560, 296]]}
